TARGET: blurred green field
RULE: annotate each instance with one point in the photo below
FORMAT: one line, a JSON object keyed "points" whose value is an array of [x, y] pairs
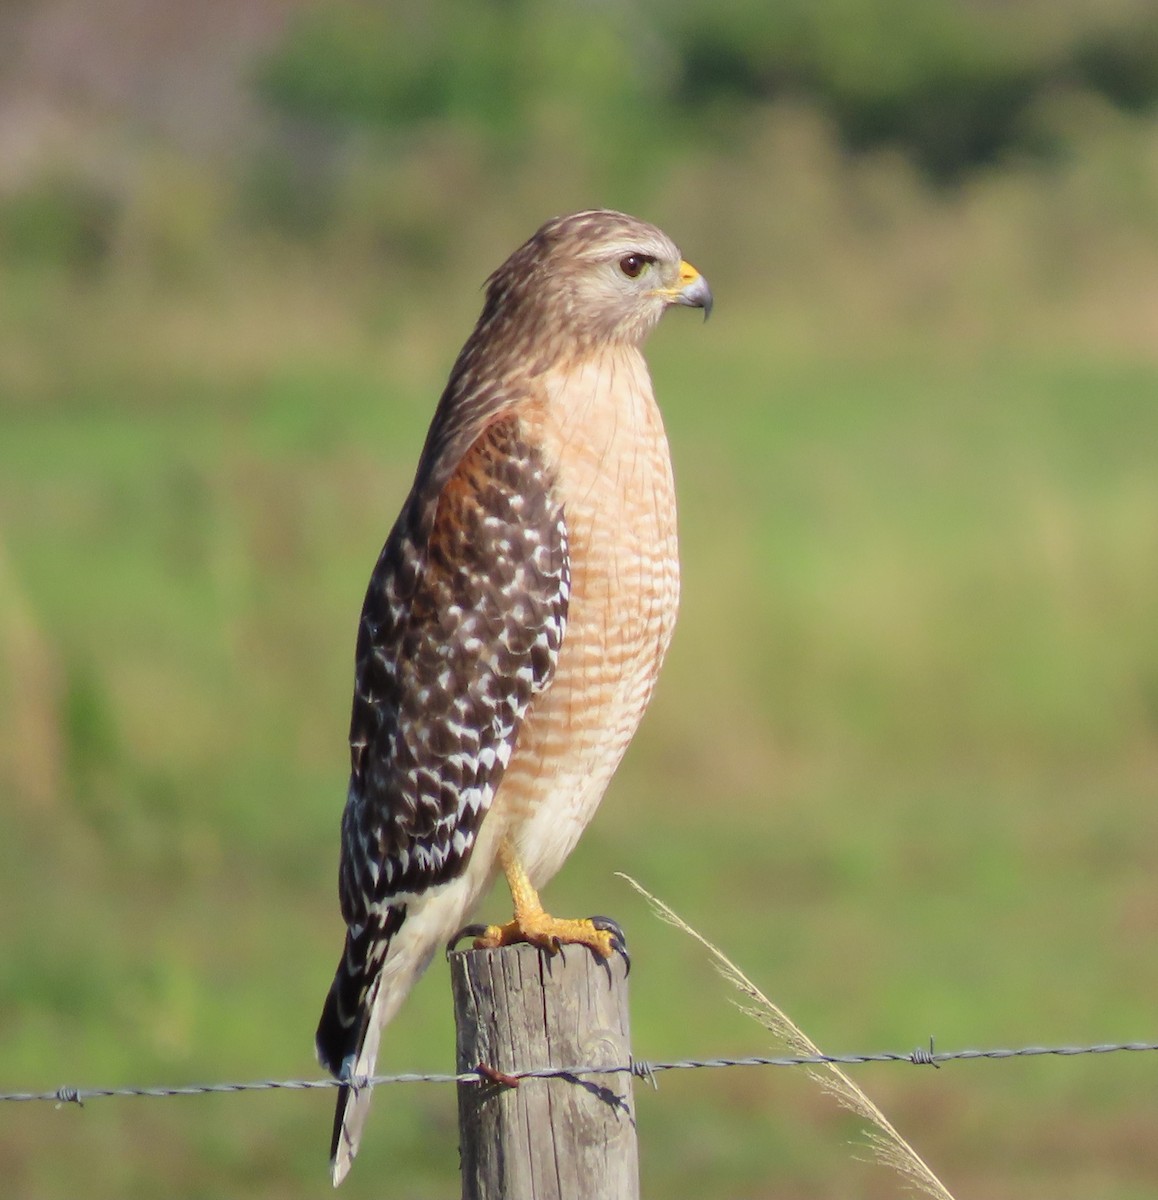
{"points": [[903, 761]]}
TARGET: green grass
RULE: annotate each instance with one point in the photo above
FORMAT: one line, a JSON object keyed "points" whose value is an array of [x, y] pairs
{"points": [[900, 765]]}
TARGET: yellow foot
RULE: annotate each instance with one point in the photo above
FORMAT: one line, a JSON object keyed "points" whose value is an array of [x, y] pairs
{"points": [[549, 933], [532, 924]]}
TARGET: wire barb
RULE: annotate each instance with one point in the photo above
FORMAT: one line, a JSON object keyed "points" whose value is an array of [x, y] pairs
{"points": [[640, 1068], [645, 1072], [925, 1058]]}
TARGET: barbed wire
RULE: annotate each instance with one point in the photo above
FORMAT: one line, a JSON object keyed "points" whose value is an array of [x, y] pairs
{"points": [[646, 1070]]}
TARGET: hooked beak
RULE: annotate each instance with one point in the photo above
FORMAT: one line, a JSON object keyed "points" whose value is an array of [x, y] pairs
{"points": [[692, 290]]}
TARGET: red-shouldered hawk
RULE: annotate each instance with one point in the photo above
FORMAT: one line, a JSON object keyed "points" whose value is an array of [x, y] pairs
{"points": [[514, 626]]}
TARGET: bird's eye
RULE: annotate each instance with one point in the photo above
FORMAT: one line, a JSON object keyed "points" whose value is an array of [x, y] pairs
{"points": [[632, 264]]}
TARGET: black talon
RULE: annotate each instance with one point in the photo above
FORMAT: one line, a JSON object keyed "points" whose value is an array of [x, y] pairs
{"points": [[467, 931], [618, 937]]}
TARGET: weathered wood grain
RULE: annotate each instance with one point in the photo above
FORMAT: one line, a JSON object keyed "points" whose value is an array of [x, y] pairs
{"points": [[518, 1009]]}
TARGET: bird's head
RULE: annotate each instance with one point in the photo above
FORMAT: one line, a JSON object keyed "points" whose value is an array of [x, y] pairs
{"points": [[595, 277]]}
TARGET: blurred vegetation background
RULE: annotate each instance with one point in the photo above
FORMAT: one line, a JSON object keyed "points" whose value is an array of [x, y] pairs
{"points": [[903, 762]]}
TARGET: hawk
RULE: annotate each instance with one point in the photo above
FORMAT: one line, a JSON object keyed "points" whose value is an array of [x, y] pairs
{"points": [[513, 627]]}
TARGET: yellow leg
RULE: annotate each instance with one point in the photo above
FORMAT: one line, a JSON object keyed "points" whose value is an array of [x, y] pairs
{"points": [[532, 924]]}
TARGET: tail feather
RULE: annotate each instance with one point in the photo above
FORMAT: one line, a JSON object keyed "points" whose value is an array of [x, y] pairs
{"points": [[349, 1028], [379, 967], [354, 1102], [346, 1011]]}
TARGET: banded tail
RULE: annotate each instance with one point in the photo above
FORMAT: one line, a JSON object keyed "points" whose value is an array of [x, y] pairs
{"points": [[350, 1028]]}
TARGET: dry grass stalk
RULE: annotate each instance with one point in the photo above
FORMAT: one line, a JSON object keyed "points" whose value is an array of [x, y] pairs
{"points": [[888, 1146]]}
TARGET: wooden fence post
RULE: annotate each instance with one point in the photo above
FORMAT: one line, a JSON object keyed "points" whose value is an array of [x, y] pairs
{"points": [[520, 1009]]}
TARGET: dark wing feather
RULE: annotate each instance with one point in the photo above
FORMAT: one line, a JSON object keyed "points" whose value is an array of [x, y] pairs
{"points": [[461, 627]]}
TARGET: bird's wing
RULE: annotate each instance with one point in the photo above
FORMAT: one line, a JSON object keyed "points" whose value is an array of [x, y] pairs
{"points": [[462, 625], [456, 638]]}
